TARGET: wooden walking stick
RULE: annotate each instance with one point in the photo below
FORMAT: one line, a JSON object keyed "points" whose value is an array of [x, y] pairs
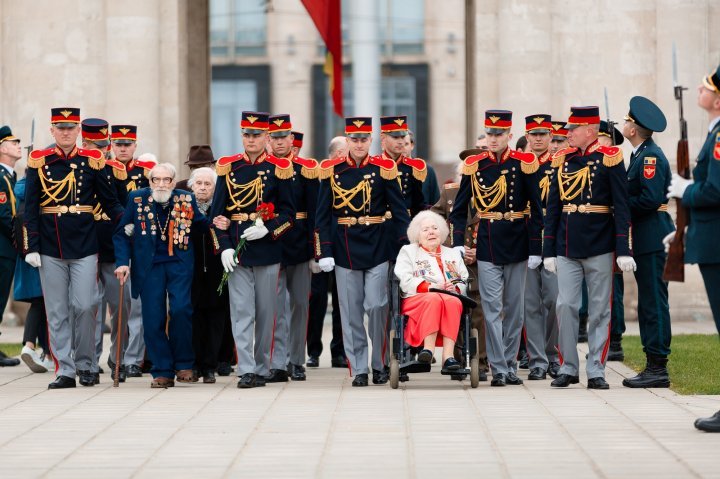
{"points": [[116, 381]]}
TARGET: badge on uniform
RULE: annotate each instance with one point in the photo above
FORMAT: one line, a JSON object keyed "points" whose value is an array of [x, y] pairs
{"points": [[716, 150], [3, 197], [649, 167]]}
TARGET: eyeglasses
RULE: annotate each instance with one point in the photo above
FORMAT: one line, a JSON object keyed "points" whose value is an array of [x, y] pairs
{"points": [[157, 180]]}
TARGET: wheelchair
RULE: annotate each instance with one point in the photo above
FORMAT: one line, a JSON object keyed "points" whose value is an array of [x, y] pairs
{"points": [[402, 359]]}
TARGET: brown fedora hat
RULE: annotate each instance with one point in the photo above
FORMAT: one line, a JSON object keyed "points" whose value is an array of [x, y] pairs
{"points": [[200, 155]]}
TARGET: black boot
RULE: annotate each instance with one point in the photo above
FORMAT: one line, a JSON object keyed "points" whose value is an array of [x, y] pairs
{"points": [[655, 375], [582, 330], [615, 353]]}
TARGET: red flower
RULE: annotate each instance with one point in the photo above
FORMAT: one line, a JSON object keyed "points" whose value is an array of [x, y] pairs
{"points": [[266, 210]]}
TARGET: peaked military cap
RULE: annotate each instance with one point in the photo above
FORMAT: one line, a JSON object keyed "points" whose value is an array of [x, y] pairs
{"points": [[280, 125], [96, 130], [617, 137], [6, 134], [297, 139], [497, 121], [583, 116], [559, 130], [647, 114], [712, 81], [540, 123], [358, 126], [394, 125], [123, 134], [254, 122], [66, 117]]}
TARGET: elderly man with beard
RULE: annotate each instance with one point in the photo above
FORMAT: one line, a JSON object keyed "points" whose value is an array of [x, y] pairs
{"points": [[210, 310], [162, 219]]}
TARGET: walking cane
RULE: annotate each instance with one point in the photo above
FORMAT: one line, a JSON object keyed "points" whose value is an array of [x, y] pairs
{"points": [[116, 381]]}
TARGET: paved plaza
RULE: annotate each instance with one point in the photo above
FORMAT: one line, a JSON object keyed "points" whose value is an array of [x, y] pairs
{"points": [[429, 428]]}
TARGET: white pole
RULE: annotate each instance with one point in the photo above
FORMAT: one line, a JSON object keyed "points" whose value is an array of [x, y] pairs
{"points": [[365, 54]]}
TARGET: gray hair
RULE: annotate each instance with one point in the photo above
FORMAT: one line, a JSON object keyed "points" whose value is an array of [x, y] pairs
{"points": [[413, 231], [165, 166], [335, 144], [201, 171]]}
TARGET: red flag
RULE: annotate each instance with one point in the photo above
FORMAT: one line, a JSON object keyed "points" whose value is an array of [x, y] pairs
{"points": [[326, 16]]}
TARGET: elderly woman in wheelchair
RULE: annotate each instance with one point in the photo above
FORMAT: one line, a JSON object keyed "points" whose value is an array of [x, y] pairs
{"points": [[423, 268]]}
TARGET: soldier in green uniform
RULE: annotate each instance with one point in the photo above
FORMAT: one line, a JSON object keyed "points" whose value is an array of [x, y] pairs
{"points": [[648, 179], [701, 196]]}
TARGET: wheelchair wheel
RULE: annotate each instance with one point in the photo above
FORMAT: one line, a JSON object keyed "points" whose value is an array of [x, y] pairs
{"points": [[474, 361], [394, 364]]}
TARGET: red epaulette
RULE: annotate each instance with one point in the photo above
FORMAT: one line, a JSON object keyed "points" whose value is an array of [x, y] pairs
{"points": [[96, 159], [529, 163], [559, 157], [419, 167], [146, 165], [327, 167], [470, 164], [309, 167], [224, 164], [37, 157], [388, 168], [283, 166], [118, 169], [612, 155]]}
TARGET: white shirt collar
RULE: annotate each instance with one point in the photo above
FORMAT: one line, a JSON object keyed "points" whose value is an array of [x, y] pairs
{"points": [[635, 150], [8, 167], [714, 123]]}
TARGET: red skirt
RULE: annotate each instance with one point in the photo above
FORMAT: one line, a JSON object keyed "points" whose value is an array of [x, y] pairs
{"points": [[429, 313]]}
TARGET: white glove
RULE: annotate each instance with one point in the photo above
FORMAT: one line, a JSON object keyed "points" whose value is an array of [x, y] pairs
{"points": [[315, 267], [534, 261], [678, 185], [227, 258], [255, 232], [33, 259], [461, 250], [667, 240], [550, 264], [129, 229], [626, 263], [327, 264]]}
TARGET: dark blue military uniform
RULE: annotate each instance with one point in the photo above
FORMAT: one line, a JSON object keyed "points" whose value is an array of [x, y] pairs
{"points": [[354, 204], [500, 190], [162, 257], [702, 198], [8, 253], [298, 242], [648, 179]]}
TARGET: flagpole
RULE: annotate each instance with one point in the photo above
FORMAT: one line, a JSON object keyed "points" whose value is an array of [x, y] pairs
{"points": [[470, 96]]}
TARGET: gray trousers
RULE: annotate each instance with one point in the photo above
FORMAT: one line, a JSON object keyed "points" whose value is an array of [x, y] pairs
{"points": [[292, 317], [541, 330], [70, 291], [253, 308], [597, 272], [135, 349], [502, 298], [359, 292], [109, 296]]}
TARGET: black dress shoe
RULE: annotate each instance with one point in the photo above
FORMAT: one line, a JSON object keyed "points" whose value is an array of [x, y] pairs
{"points": [[553, 369], [247, 381], [339, 362], [86, 378], [313, 362], [122, 375], [96, 378], [425, 356], [651, 377], [524, 361], [404, 377], [62, 382], [361, 380], [483, 375], [224, 369], [512, 379], [297, 372], [133, 371], [564, 380], [709, 424], [380, 377], [537, 374], [209, 377], [260, 381], [5, 362], [451, 364], [277, 376], [498, 380], [598, 383]]}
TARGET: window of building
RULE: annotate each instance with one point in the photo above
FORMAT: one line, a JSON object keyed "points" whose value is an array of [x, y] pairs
{"points": [[238, 28]]}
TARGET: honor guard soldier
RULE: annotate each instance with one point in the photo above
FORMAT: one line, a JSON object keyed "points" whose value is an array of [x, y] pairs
{"points": [[443, 207], [358, 195], [95, 134], [499, 184], [701, 196], [297, 246], [152, 242], [297, 142], [648, 180], [411, 171], [59, 238], [124, 144], [10, 153], [559, 137], [245, 181], [541, 332], [586, 225], [617, 310]]}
